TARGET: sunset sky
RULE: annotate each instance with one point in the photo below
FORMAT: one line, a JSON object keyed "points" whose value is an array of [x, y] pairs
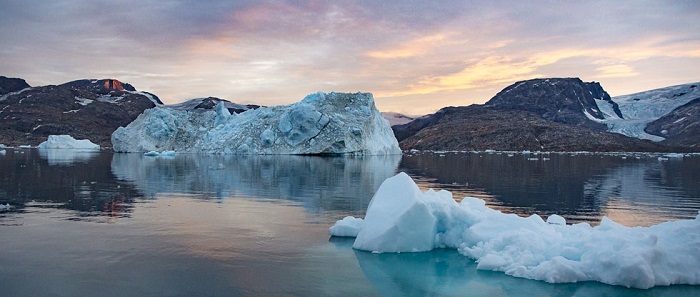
{"points": [[414, 56]]}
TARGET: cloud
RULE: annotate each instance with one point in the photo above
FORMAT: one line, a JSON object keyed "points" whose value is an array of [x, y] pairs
{"points": [[616, 71], [274, 52]]}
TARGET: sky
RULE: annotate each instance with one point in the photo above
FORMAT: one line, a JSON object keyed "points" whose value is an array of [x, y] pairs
{"points": [[414, 56]]}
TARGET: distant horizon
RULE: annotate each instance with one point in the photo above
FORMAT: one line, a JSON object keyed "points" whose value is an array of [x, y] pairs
{"points": [[377, 100], [413, 56]]}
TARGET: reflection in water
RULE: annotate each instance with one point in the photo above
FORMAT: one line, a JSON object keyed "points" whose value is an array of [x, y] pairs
{"points": [[32, 178], [445, 272], [67, 156], [343, 184], [581, 188]]}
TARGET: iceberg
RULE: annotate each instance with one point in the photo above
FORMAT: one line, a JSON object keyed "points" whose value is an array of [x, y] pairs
{"points": [[67, 142], [322, 123], [402, 218]]}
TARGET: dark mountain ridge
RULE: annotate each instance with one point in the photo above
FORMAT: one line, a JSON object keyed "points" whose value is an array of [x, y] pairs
{"points": [[84, 109], [548, 114]]}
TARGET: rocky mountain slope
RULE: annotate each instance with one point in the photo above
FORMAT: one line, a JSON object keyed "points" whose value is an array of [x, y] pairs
{"points": [[208, 103], [680, 127], [84, 109], [480, 127], [10, 84], [555, 114], [560, 100]]}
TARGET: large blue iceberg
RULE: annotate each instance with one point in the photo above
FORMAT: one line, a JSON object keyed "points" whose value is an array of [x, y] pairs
{"points": [[322, 123]]}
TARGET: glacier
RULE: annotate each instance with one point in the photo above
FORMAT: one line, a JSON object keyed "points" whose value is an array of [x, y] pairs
{"points": [[402, 218], [322, 123], [640, 109]]}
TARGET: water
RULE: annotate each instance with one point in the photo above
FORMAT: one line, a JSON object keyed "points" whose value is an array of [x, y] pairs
{"points": [[105, 224]]}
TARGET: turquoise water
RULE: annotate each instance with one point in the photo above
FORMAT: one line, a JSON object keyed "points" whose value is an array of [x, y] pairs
{"points": [[106, 224]]}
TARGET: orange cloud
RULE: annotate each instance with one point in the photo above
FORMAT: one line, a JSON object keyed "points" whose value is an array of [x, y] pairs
{"points": [[414, 47], [616, 71]]}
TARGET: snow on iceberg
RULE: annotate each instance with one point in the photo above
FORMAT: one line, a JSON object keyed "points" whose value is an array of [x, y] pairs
{"points": [[322, 123], [67, 142], [401, 218]]}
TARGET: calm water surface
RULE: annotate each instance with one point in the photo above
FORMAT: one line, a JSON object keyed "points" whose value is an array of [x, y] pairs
{"points": [[104, 224]]}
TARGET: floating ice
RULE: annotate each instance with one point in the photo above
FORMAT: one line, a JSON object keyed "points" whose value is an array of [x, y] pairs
{"points": [[347, 227], [165, 154], [322, 123], [67, 142], [401, 218], [152, 154]]}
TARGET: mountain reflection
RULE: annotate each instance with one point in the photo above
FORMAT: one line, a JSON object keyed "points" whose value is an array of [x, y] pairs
{"points": [[320, 183], [580, 187], [75, 181]]}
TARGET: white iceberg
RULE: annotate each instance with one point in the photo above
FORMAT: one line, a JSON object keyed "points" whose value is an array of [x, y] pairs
{"points": [[347, 227], [322, 123], [401, 218], [67, 142]]}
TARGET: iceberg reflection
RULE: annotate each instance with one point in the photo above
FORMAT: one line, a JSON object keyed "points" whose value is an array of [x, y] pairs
{"points": [[67, 156], [320, 183]]}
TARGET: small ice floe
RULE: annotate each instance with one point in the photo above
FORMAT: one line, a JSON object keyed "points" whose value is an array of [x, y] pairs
{"points": [[168, 154], [5, 207], [164, 154]]}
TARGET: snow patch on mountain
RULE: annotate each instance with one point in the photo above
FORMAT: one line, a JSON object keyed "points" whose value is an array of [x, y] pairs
{"points": [[322, 123], [396, 118], [197, 103], [640, 109]]}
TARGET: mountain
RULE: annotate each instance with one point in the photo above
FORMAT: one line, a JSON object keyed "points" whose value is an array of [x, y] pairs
{"points": [[9, 84], [479, 127], [667, 115], [208, 103], [562, 100], [680, 127], [396, 118], [551, 114], [320, 124], [84, 109]]}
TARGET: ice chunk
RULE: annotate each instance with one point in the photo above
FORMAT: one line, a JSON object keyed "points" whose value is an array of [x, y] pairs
{"points": [[222, 113], [67, 142], [165, 154], [347, 227], [322, 123], [401, 218], [556, 220]]}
